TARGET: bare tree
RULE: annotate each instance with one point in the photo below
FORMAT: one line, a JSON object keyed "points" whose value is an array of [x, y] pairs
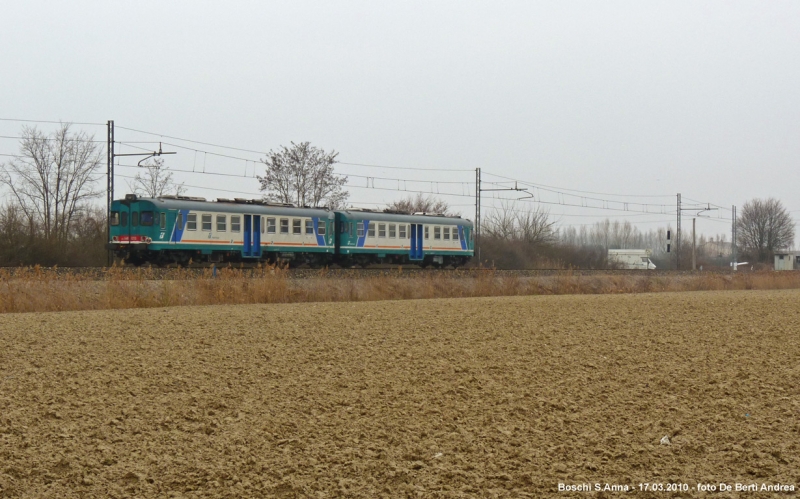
{"points": [[500, 223], [52, 176], [763, 227], [303, 175], [532, 226], [156, 181], [420, 204]]}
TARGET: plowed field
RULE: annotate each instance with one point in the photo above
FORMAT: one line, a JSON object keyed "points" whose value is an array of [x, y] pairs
{"points": [[483, 397]]}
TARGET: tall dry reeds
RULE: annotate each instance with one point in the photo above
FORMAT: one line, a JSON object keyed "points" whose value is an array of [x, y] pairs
{"points": [[36, 290]]}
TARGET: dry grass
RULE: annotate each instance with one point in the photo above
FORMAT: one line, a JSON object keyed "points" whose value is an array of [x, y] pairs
{"points": [[34, 290]]}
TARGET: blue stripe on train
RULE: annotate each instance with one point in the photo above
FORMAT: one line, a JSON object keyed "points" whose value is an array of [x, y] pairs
{"points": [[363, 238], [320, 239], [177, 233]]}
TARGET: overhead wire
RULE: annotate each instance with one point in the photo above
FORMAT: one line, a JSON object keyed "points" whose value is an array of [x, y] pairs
{"points": [[534, 184], [55, 122]]}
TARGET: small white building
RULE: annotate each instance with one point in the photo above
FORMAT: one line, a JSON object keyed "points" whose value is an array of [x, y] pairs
{"points": [[787, 260], [631, 258]]}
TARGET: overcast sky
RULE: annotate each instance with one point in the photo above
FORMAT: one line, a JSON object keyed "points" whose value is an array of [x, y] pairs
{"points": [[637, 98]]}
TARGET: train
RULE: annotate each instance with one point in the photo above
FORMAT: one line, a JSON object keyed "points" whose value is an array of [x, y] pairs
{"points": [[182, 230]]}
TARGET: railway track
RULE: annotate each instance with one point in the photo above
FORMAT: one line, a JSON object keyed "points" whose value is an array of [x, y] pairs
{"points": [[193, 272]]}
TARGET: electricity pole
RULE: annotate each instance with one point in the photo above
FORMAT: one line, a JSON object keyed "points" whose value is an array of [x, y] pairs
{"points": [[733, 238], [477, 228], [678, 237], [678, 232], [694, 243], [478, 191], [110, 186]]}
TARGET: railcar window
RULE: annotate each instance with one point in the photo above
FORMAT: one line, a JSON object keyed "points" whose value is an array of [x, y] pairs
{"points": [[402, 231], [236, 223], [284, 225], [426, 232], [147, 218], [392, 230], [446, 233], [262, 225], [381, 230], [123, 219], [135, 219], [191, 221], [297, 228], [206, 221], [115, 218], [437, 232], [360, 229], [222, 222], [179, 223], [270, 226], [371, 230], [163, 221], [310, 227], [321, 228], [352, 229]]}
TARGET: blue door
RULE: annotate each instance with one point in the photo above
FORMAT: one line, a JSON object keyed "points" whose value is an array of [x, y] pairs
{"points": [[416, 252], [251, 246]]}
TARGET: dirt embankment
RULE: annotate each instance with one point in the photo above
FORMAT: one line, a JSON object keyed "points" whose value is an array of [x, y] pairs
{"points": [[479, 397]]}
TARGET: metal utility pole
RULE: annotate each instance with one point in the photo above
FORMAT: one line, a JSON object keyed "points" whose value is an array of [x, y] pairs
{"points": [[477, 228], [110, 187], [733, 239], [678, 232], [678, 237], [694, 243], [478, 191]]}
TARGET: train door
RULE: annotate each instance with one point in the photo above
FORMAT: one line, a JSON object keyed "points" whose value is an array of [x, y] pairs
{"points": [[416, 251], [251, 247]]}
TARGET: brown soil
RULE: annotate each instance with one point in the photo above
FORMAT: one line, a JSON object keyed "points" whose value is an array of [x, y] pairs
{"points": [[479, 397]]}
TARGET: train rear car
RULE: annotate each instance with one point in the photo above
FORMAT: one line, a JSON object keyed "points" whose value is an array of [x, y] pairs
{"points": [[365, 237]]}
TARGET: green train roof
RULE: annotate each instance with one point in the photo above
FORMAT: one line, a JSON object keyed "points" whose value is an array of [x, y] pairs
{"points": [[402, 218], [233, 207]]}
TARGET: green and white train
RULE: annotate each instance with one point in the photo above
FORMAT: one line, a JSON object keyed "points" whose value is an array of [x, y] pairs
{"points": [[180, 229]]}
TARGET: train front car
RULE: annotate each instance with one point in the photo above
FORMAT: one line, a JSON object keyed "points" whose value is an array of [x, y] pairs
{"points": [[365, 237], [135, 224], [183, 230]]}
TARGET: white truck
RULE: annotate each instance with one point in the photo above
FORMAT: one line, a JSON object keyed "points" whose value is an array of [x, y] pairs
{"points": [[630, 259]]}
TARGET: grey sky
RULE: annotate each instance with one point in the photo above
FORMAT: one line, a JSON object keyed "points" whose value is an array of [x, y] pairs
{"points": [[644, 98]]}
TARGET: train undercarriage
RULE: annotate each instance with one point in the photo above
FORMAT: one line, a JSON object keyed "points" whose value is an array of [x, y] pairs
{"points": [[161, 258]]}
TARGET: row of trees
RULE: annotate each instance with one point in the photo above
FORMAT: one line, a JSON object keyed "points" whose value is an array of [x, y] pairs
{"points": [[49, 213]]}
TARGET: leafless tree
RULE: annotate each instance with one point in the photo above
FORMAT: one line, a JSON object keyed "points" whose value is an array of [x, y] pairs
{"points": [[52, 176], [420, 204], [763, 227], [303, 175], [532, 225], [155, 181]]}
